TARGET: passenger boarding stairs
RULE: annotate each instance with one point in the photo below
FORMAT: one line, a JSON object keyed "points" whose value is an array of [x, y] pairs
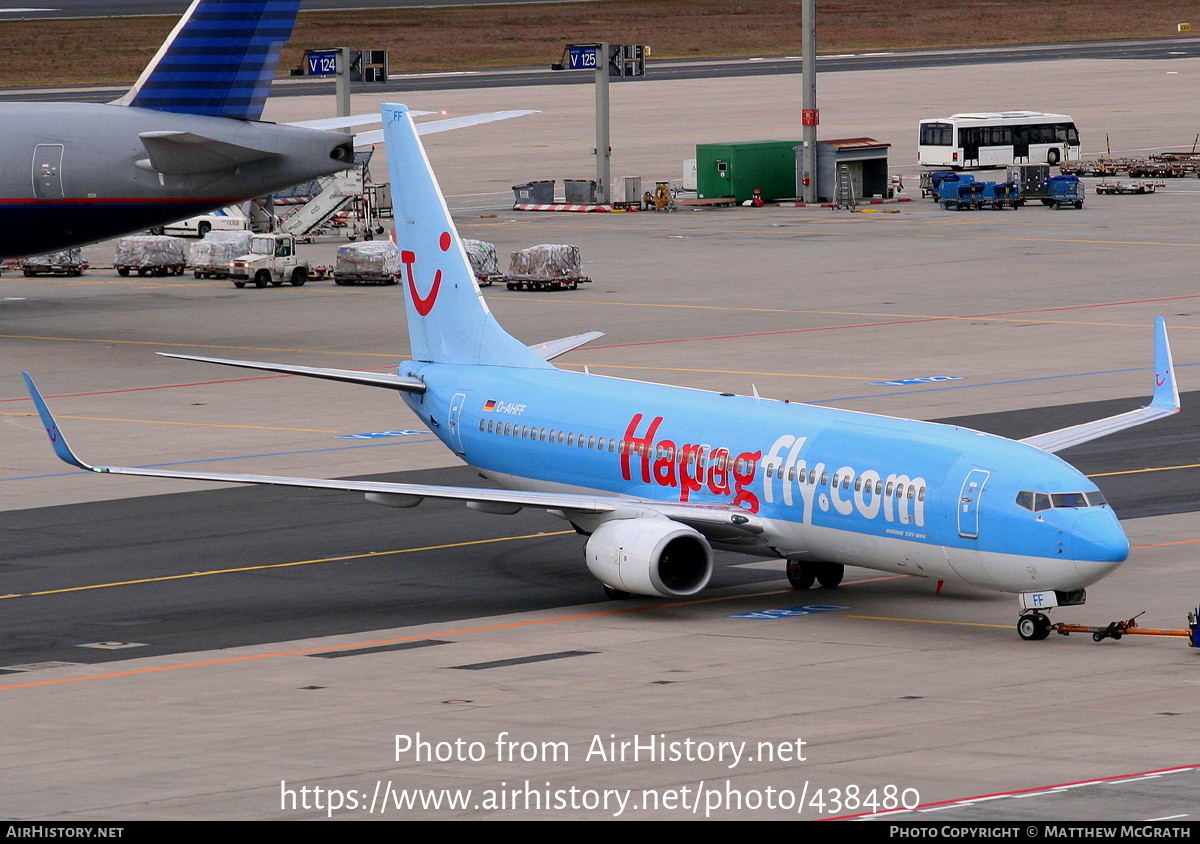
{"points": [[327, 197]]}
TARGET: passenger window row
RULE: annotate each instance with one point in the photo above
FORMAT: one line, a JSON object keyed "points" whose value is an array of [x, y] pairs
{"points": [[733, 464]]}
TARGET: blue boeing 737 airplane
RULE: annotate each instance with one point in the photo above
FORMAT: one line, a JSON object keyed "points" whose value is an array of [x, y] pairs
{"points": [[657, 477]]}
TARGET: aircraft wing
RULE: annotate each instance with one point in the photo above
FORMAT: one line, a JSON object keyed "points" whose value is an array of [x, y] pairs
{"points": [[1164, 402], [721, 521]]}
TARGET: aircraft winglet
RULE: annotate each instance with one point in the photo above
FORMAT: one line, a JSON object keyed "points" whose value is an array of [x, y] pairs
{"points": [[1163, 402], [57, 440], [1166, 389]]}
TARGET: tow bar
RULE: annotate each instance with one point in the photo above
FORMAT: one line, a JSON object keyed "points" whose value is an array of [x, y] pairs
{"points": [[1129, 627]]}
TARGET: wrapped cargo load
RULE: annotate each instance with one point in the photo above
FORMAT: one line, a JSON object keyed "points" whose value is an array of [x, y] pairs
{"points": [[546, 260], [483, 258], [65, 261], [211, 255], [150, 254], [548, 266], [371, 261]]}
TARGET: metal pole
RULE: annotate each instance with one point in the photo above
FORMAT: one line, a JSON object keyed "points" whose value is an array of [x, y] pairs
{"points": [[809, 167], [343, 84], [602, 143]]}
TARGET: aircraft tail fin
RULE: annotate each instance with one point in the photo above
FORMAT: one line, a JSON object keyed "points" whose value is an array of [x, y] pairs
{"points": [[448, 319], [219, 60]]}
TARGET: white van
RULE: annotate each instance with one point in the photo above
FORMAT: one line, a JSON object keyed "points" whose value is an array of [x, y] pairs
{"points": [[223, 219]]}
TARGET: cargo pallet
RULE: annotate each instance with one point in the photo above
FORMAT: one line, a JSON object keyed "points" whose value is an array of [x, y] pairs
{"points": [[1118, 188], [520, 282], [345, 279], [32, 270]]}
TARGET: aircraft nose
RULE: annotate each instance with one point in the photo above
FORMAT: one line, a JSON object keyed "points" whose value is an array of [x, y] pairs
{"points": [[1097, 538]]}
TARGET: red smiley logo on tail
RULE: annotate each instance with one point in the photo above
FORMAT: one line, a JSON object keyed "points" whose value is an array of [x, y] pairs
{"points": [[424, 304]]}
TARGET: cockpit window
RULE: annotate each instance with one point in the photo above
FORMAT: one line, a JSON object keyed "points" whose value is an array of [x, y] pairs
{"points": [[1039, 501]]}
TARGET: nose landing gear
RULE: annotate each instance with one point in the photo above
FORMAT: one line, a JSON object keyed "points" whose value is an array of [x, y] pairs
{"points": [[1033, 626]]}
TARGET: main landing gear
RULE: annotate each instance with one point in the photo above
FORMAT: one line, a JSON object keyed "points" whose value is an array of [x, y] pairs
{"points": [[803, 574]]}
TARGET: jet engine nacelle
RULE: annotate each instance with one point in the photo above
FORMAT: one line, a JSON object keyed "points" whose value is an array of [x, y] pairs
{"points": [[650, 557]]}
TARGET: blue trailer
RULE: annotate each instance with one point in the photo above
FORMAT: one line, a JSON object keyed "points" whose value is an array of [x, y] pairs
{"points": [[1064, 192], [997, 195], [962, 194]]}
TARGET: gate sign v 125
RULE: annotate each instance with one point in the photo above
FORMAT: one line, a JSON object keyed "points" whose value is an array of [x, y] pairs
{"points": [[581, 57]]}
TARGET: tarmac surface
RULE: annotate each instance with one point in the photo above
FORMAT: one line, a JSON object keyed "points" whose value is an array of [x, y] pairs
{"points": [[187, 652]]}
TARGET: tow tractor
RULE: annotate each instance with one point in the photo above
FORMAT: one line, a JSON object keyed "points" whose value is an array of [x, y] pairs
{"points": [[272, 259]]}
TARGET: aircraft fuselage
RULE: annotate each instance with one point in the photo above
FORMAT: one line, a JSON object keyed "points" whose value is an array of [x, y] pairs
{"points": [[75, 173], [832, 485]]}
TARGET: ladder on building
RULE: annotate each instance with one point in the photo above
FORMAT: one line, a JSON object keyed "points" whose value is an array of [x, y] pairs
{"points": [[844, 193]]}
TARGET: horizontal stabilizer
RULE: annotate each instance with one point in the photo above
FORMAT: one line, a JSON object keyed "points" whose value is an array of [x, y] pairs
{"points": [[186, 153], [1164, 402], [553, 348], [432, 127], [349, 121], [403, 383]]}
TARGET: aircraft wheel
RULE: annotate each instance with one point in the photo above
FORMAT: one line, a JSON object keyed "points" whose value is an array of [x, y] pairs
{"points": [[299, 276], [616, 594], [801, 575], [1033, 627], [261, 279], [830, 575], [239, 284]]}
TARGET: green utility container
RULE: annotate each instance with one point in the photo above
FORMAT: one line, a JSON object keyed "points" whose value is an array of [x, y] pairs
{"points": [[737, 169]]}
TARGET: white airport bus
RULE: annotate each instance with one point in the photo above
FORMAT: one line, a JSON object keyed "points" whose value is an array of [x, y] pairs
{"points": [[997, 139]]}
